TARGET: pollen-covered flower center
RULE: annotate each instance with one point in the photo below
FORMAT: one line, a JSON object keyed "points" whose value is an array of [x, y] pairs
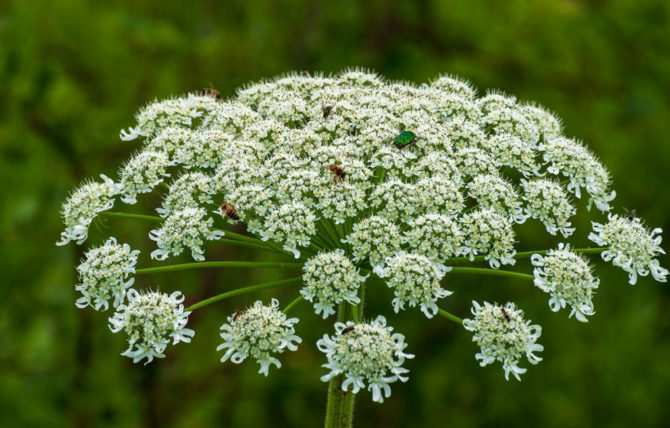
{"points": [[365, 351]]}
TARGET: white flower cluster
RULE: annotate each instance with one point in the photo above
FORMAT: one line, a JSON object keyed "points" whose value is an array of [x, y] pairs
{"points": [[351, 173], [142, 173], [489, 233], [630, 246], [187, 228], [568, 278], [259, 332], [151, 320], [83, 205], [367, 354], [503, 335], [331, 278], [104, 275], [415, 280], [547, 202]]}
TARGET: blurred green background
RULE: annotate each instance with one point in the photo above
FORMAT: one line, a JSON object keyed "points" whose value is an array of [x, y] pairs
{"points": [[72, 74]]}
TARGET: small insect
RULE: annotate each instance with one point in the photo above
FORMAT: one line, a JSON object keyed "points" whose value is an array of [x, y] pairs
{"points": [[404, 139], [347, 330], [211, 93], [228, 210], [631, 214], [337, 171], [237, 313], [505, 314], [327, 110], [304, 73]]}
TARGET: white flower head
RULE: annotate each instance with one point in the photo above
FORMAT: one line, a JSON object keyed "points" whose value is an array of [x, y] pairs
{"points": [[83, 205], [142, 173], [489, 233], [173, 112], [493, 192], [367, 355], [151, 320], [574, 161], [330, 278], [415, 280], [103, 275], [260, 332], [188, 228], [631, 246], [435, 236], [375, 238], [502, 335], [190, 190], [547, 202], [510, 150], [568, 278], [293, 224]]}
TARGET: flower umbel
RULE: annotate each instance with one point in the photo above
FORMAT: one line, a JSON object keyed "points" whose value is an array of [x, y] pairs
{"points": [[568, 278], [258, 332], [151, 320], [331, 278], [503, 335], [104, 274], [367, 354], [631, 246]]}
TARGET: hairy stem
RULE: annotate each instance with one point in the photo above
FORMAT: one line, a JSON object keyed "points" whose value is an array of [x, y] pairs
{"points": [[198, 265], [244, 290], [340, 407]]}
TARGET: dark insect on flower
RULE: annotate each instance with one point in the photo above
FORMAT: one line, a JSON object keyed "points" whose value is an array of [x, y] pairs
{"points": [[631, 214], [327, 110], [337, 171], [347, 330], [228, 210], [237, 313], [304, 73], [505, 314], [211, 93], [404, 139]]}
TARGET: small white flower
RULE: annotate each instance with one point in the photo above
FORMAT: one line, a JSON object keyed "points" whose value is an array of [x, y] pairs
{"points": [[258, 332], [142, 173], [489, 233], [330, 278], [547, 202], [367, 354], [84, 205], [375, 238], [503, 335], [151, 320], [103, 275], [568, 278], [574, 161], [415, 280], [172, 112], [293, 224], [631, 246], [509, 150], [435, 236], [493, 192], [187, 228], [188, 191]]}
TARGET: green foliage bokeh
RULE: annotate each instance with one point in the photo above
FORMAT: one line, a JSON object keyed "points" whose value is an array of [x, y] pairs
{"points": [[73, 72]]}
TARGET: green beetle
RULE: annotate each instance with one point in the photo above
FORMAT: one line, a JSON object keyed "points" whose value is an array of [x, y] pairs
{"points": [[404, 139]]}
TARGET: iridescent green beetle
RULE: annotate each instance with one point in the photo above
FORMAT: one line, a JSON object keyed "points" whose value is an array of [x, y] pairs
{"points": [[327, 110], [404, 139]]}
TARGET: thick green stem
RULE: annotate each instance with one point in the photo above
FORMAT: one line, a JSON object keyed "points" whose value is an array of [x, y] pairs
{"points": [[198, 265], [494, 272], [340, 407], [244, 290], [523, 255]]}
